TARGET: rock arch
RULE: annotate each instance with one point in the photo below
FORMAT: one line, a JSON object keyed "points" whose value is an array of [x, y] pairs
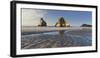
{"points": [[61, 23]]}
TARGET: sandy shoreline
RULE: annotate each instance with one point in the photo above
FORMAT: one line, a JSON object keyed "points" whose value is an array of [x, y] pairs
{"points": [[72, 38], [36, 30]]}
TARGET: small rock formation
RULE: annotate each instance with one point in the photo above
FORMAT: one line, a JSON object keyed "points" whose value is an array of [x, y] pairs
{"points": [[42, 23], [62, 23], [86, 25]]}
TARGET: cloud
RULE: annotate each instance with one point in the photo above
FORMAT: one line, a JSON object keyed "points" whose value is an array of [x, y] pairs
{"points": [[31, 17]]}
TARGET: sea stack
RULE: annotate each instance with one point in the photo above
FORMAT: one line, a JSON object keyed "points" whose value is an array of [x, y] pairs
{"points": [[61, 23], [42, 22]]}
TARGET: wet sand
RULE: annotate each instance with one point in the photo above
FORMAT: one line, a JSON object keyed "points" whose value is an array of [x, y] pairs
{"points": [[56, 39]]}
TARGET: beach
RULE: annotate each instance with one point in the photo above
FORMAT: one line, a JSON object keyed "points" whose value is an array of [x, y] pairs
{"points": [[53, 37]]}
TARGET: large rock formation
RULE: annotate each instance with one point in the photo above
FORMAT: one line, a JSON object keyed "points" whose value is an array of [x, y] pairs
{"points": [[86, 25], [42, 22], [62, 23]]}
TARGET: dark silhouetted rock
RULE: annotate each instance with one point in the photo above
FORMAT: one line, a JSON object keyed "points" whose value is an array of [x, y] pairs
{"points": [[62, 23], [42, 22], [86, 25]]}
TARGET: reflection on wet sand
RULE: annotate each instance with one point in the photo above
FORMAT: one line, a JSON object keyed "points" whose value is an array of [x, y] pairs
{"points": [[61, 32]]}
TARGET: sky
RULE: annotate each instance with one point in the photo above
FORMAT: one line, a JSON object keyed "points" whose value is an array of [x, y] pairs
{"points": [[31, 17]]}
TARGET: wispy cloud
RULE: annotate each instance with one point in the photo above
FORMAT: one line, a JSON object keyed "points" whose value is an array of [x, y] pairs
{"points": [[31, 17]]}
